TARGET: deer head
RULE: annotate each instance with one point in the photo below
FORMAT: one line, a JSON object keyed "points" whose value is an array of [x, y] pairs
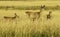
{"points": [[16, 15]]}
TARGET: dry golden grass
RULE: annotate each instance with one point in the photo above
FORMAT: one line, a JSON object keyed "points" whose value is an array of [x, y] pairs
{"points": [[24, 26]]}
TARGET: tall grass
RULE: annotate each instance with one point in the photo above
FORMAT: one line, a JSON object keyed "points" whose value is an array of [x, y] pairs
{"points": [[29, 30]]}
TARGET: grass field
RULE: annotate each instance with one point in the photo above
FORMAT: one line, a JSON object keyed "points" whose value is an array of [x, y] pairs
{"points": [[25, 27]]}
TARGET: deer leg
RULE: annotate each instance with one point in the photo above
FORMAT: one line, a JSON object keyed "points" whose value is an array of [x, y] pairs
{"points": [[33, 19]]}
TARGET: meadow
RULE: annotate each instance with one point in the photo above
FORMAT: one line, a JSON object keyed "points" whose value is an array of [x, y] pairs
{"points": [[25, 27]]}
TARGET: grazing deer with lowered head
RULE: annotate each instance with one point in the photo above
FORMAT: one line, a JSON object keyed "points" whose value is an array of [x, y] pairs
{"points": [[11, 18]]}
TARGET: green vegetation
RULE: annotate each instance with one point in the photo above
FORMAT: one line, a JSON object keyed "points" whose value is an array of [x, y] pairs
{"points": [[29, 7]]}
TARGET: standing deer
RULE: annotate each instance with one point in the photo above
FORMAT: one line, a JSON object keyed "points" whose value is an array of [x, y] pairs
{"points": [[49, 15], [35, 15], [11, 18]]}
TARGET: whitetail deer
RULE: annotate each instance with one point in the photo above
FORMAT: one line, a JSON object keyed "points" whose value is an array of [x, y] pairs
{"points": [[11, 18], [49, 15]]}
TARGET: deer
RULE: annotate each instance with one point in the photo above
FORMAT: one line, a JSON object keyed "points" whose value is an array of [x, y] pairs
{"points": [[11, 18], [49, 15], [35, 15]]}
